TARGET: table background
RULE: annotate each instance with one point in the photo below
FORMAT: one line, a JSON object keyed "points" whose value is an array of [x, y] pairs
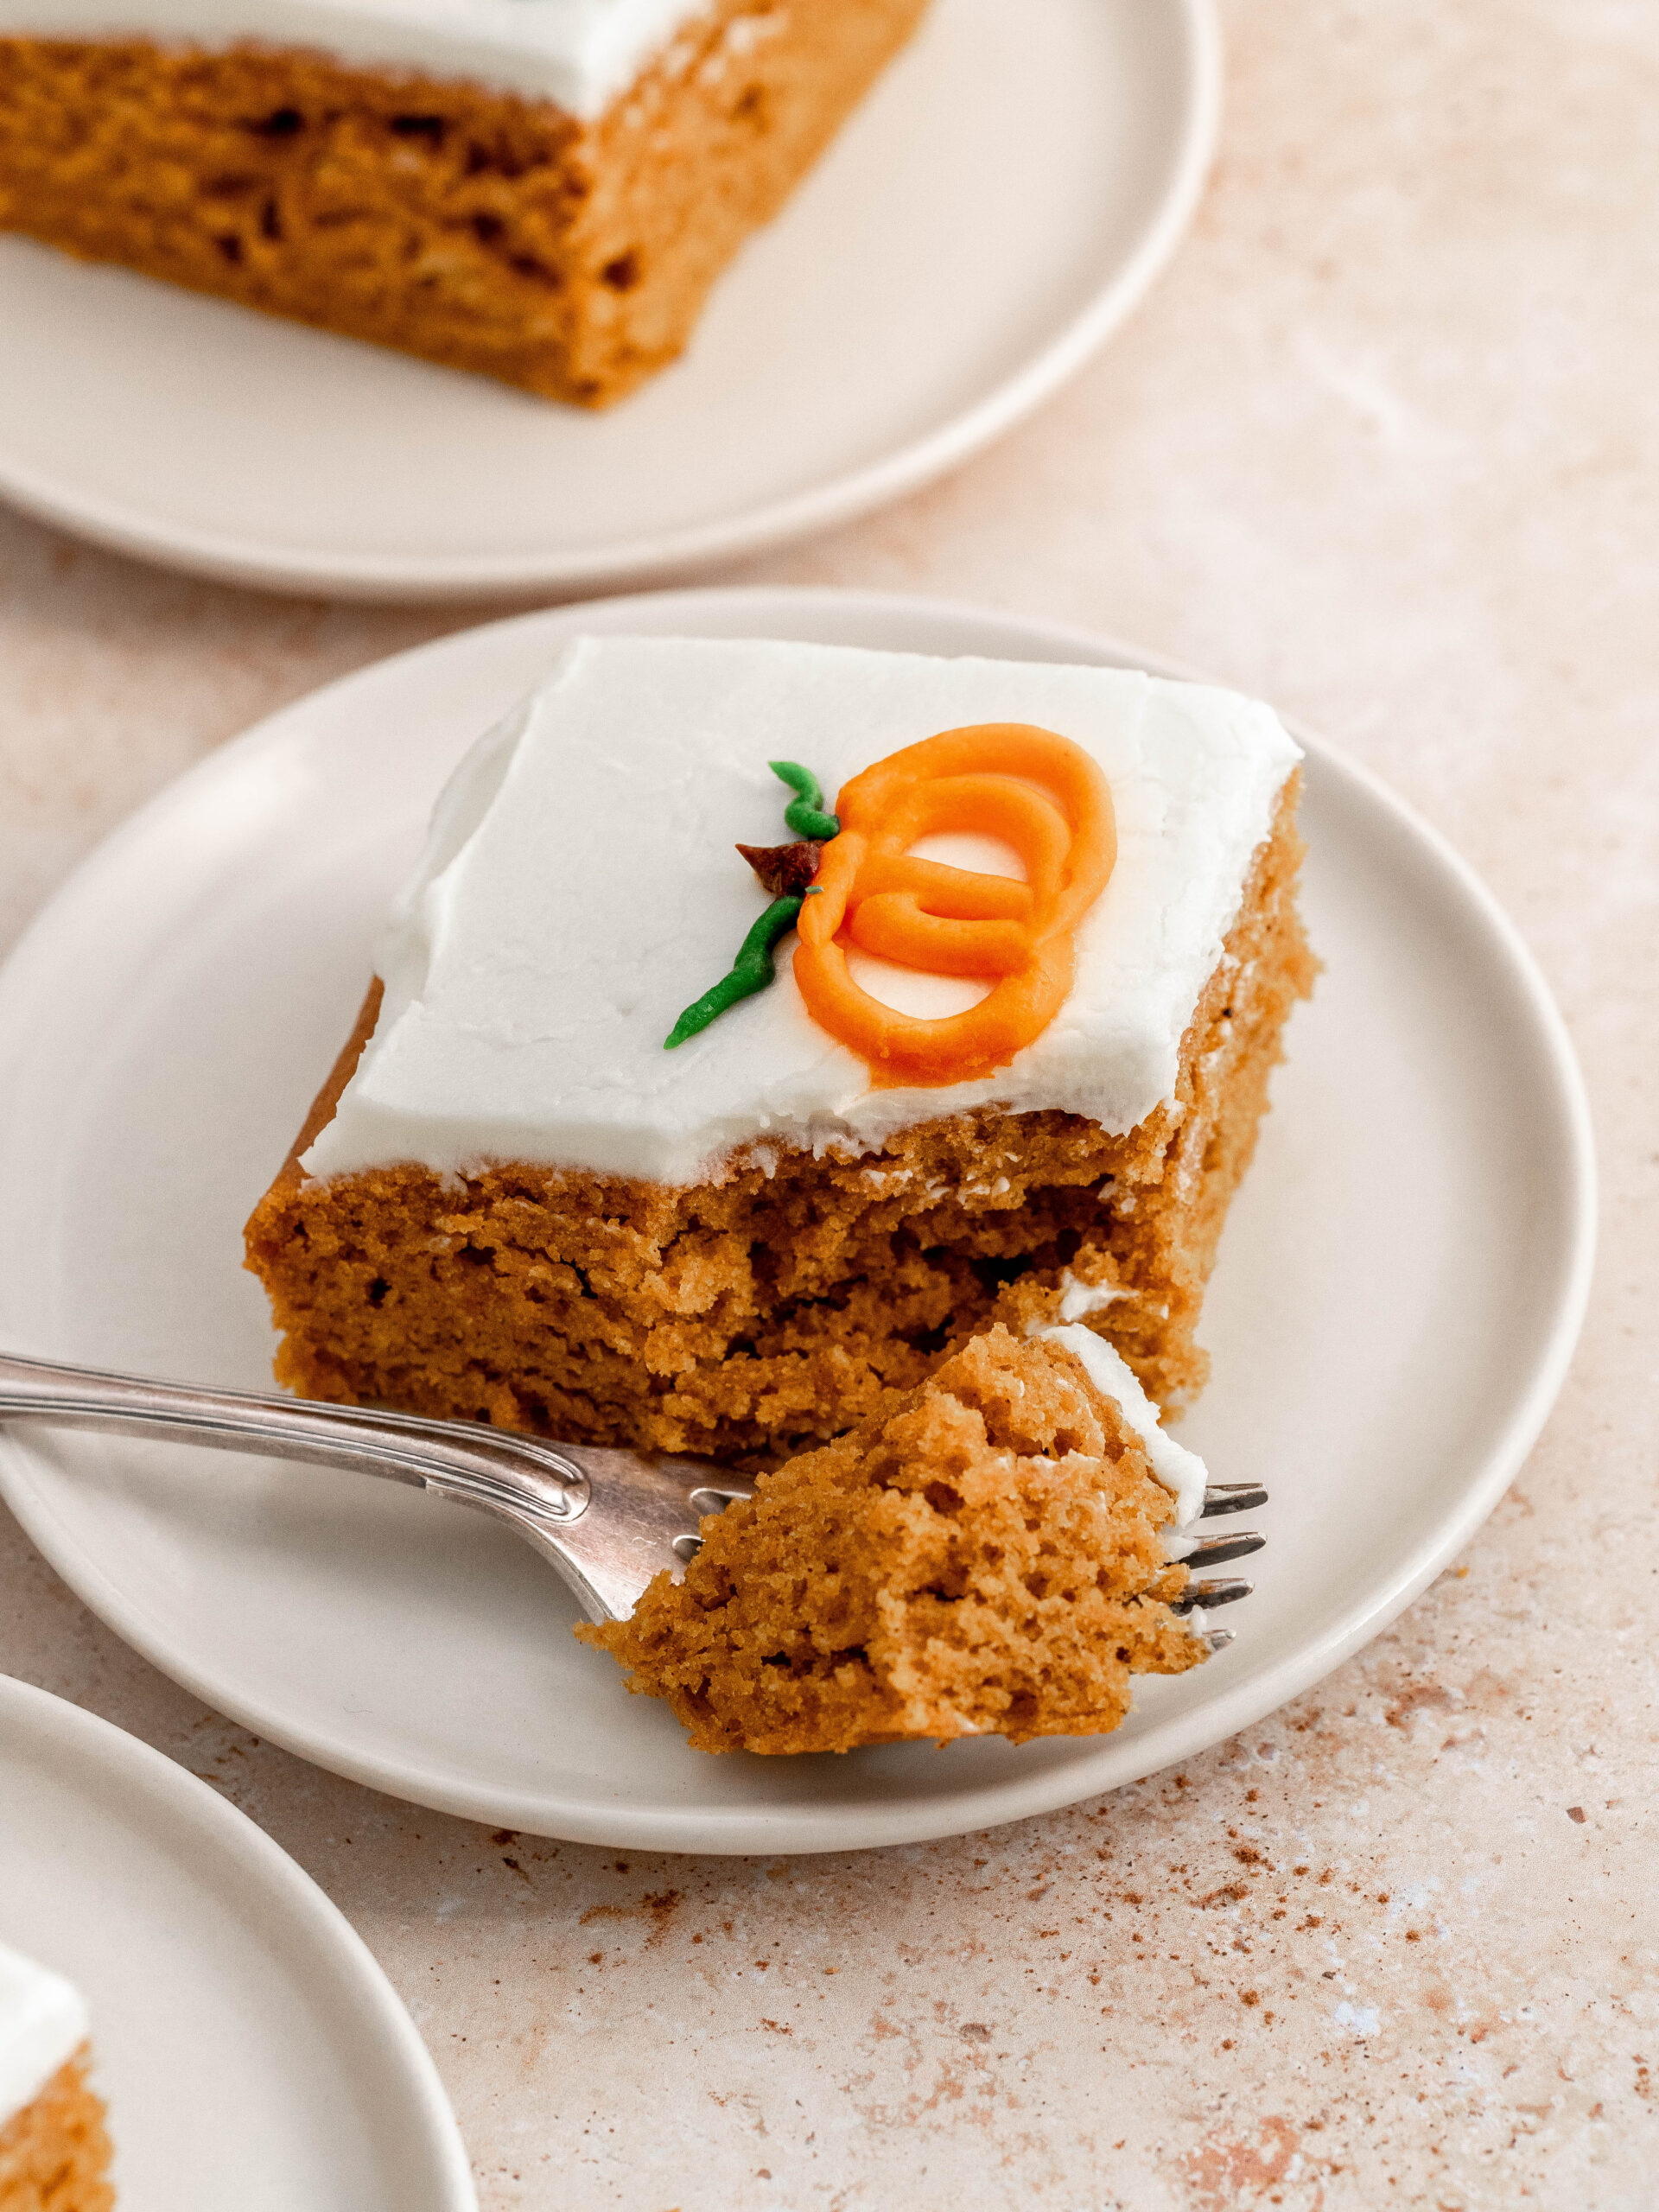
{"points": [[1381, 447]]}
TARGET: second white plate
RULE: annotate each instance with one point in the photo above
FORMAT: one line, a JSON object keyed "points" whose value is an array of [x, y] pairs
{"points": [[993, 211], [253, 2055], [1399, 1289]]}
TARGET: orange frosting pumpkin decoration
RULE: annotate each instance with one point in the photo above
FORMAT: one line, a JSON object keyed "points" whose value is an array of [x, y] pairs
{"points": [[1037, 792]]}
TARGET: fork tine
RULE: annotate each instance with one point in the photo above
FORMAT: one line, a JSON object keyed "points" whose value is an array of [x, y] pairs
{"points": [[715, 1497], [1217, 1550], [1205, 1596], [1219, 1638], [1231, 1497]]}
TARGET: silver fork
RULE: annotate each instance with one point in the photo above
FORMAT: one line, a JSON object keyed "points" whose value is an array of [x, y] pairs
{"points": [[607, 1520]]}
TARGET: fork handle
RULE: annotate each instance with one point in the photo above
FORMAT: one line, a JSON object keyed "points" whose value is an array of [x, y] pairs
{"points": [[446, 1455], [539, 1492], [543, 1492]]}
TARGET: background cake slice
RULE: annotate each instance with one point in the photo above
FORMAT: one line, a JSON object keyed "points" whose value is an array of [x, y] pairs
{"points": [[54, 2154], [511, 1202], [542, 190], [987, 1558]]}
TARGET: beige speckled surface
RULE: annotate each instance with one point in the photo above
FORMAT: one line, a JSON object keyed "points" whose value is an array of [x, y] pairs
{"points": [[1384, 446]]}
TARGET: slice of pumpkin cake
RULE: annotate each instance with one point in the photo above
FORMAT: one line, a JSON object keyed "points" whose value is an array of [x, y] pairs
{"points": [[642, 1141], [990, 1556], [543, 191], [55, 2150]]}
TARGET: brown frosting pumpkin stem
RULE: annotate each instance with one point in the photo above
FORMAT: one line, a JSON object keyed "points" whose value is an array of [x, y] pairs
{"points": [[784, 870]]}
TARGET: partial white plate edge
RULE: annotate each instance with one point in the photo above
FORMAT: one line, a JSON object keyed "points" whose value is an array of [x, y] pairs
{"points": [[225, 559], [801, 1832], [152, 1774]]}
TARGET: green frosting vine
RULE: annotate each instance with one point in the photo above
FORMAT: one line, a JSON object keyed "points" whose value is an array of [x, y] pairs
{"points": [[750, 972], [804, 813], [753, 969]]}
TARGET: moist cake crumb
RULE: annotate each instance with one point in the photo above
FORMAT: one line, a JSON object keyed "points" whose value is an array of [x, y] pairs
{"points": [[985, 1556]]}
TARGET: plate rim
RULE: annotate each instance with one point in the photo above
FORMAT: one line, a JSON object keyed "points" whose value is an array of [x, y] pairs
{"points": [[225, 557], [149, 1776], [803, 1831]]}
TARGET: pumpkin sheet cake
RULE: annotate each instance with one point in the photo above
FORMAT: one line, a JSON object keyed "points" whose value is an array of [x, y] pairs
{"points": [[774, 1045]]}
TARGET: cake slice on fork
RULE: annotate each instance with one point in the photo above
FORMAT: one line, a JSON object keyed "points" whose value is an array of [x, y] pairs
{"points": [[988, 1558]]}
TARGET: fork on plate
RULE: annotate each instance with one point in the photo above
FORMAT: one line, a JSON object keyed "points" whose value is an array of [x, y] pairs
{"points": [[607, 1520]]}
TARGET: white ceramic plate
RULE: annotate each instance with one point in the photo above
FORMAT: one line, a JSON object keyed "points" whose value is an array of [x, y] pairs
{"points": [[1399, 1289], [252, 2052], [996, 207]]}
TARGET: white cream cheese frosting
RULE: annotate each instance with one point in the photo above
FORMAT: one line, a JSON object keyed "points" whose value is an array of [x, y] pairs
{"points": [[1182, 1473], [43, 2022], [579, 888], [579, 54]]}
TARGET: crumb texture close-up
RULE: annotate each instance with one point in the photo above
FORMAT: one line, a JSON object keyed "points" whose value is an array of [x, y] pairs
{"points": [[984, 1559]]}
